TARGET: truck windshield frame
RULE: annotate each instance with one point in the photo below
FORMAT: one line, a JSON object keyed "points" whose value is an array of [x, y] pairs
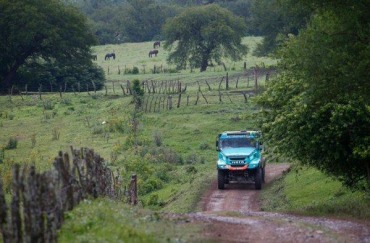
{"points": [[237, 142]]}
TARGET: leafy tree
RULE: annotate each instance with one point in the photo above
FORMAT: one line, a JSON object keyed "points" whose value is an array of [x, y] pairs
{"points": [[40, 30], [203, 34], [275, 19], [318, 110], [143, 20]]}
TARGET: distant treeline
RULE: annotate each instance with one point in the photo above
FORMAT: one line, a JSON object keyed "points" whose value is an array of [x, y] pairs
{"points": [[119, 21]]}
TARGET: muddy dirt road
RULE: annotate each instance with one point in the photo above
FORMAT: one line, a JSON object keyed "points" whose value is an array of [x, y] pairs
{"points": [[233, 215]]}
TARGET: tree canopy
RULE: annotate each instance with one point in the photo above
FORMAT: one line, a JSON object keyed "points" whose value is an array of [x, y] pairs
{"points": [[275, 19], [44, 31], [204, 34], [318, 110]]}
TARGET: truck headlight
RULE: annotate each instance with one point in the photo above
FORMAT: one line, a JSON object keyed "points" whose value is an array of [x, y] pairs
{"points": [[221, 164], [253, 164]]}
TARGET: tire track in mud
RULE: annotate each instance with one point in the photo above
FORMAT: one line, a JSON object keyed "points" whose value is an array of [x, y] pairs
{"points": [[233, 215]]}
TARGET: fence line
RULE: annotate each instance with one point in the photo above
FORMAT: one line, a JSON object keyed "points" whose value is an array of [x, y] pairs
{"points": [[39, 200]]}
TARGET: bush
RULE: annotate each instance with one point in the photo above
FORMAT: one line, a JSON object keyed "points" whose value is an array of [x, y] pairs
{"points": [[204, 146], [2, 155], [55, 134], [153, 200], [150, 185], [12, 143], [191, 170], [48, 105], [135, 70], [157, 139], [192, 158]]}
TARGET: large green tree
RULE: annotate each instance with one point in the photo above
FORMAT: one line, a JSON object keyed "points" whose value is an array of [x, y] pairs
{"points": [[142, 20], [203, 34], [318, 110], [44, 30], [275, 19]]}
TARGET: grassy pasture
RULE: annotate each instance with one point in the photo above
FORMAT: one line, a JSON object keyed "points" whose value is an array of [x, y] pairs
{"points": [[131, 55]]}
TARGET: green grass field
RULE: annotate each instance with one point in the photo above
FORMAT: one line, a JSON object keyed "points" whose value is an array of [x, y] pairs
{"points": [[175, 156]]}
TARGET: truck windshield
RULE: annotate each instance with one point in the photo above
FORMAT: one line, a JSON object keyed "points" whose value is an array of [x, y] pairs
{"points": [[237, 143]]}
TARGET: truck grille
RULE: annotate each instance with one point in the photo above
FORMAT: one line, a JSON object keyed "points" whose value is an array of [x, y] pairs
{"points": [[237, 161]]}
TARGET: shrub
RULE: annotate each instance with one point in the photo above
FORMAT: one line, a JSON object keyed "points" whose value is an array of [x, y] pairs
{"points": [[2, 155], [97, 129], [150, 185], [170, 156], [157, 139], [55, 134], [12, 143], [135, 70], [191, 158], [33, 139], [204, 146], [153, 200], [66, 101], [48, 105], [191, 169], [117, 125]]}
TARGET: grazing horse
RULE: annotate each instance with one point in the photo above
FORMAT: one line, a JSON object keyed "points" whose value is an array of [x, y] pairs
{"points": [[109, 55], [156, 44], [155, 52], [94, 57]]}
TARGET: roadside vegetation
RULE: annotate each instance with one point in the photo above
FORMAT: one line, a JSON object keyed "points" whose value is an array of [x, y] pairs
{"points": [[307, 191]]}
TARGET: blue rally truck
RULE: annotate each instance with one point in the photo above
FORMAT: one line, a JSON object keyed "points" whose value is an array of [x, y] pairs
{"points": [[239, 158]]}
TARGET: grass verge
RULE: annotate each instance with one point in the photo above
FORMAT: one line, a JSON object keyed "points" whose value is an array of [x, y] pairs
{"points": [[307, 191]]}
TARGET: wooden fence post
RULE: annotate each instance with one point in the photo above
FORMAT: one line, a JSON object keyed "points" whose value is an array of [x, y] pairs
{"points": [[170, 102], [196, 102], [255, 79], [3, 215], [133, 190], [227, 81], [16, 223], [209, 87], [179, 101]]}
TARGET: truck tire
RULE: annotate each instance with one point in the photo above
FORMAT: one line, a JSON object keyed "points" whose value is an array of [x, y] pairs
{"points": [[221, 179], [258, 179], [263, 175]]}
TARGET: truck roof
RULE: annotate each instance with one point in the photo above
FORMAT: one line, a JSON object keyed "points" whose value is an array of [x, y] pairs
{"points": [[247, 133]]}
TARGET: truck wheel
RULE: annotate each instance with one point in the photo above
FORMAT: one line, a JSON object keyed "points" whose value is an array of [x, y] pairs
{"points": [[263, 174], [221, 179], [258, 179]]}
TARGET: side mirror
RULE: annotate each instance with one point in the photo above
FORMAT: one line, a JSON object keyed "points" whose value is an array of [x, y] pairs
{"points": [[259, 145], [217, 143]]}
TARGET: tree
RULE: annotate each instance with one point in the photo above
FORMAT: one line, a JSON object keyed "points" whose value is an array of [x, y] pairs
{"points": [[143, 20], [275, 19], [203, 34], [318, 110], [40, 30]]}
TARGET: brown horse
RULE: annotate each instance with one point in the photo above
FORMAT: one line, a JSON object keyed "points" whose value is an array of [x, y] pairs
{"points": [[109, 55], [156, 44], [153, 52]]}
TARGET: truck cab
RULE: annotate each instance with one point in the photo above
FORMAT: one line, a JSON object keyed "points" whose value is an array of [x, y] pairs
{"points": [[240, 158]]}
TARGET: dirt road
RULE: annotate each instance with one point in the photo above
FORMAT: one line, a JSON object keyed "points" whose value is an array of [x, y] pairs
{"points": [[233, 215]]}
